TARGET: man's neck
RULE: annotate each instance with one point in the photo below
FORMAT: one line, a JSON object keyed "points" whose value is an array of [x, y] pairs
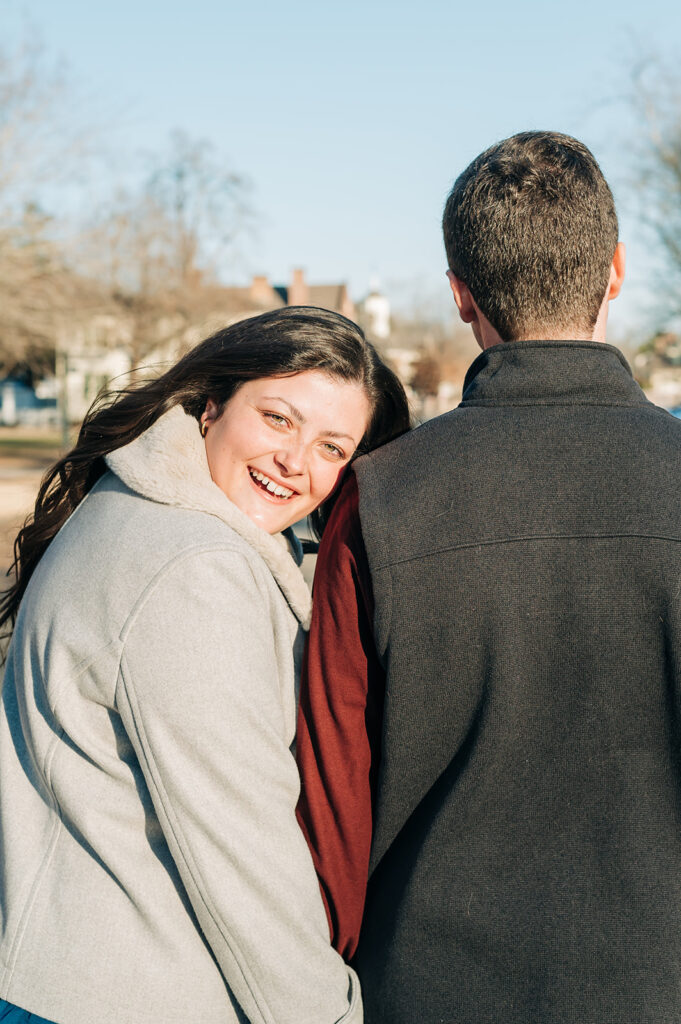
{"points": [[487, 336]]}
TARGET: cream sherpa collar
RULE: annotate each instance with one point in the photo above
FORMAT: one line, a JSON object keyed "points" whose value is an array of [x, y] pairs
{"points": [[167, 463]]}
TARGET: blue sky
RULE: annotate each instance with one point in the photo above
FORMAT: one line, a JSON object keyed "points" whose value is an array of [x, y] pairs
{"points": [[352, 120]]}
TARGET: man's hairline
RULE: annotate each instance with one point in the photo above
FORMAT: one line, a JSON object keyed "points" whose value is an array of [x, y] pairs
{"points": [[543, 330]]}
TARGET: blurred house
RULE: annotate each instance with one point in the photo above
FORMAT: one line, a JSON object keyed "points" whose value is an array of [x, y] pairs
{"points": [[91, 355], [103, 347], [20, 405], [260, 296], [299, 292], [224, 305]]}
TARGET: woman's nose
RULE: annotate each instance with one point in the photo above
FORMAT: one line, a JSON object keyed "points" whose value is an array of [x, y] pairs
{"points": [[291, 461]]}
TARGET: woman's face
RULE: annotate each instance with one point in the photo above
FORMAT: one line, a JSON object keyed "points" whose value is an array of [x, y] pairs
{"points": [[278, 449]]}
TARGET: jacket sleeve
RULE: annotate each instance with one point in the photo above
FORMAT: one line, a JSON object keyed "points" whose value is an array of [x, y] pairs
{"points": [[339, 722], [198, 693]]}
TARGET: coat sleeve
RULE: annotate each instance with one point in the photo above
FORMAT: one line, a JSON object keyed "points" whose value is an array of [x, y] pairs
{"points": [[339, 722], [198, 693]]}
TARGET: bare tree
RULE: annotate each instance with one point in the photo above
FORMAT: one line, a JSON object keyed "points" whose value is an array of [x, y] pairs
{"points": [[150, 257], [426, 373], [158, 248], [37, 148], [34, 289], [204, 204], [31, 91], [657, 154]]}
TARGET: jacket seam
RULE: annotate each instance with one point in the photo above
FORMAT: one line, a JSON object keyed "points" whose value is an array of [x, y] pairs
{"points": [[383, 633], [41, 871], [59, 685], [567, 404], [368, 474], [178, 835], [22, 925], [349, 1014], [522, 538], [199, 549]]}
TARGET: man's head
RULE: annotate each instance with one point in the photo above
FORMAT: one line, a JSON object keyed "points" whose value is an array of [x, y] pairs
{"points": [[530, 230]]}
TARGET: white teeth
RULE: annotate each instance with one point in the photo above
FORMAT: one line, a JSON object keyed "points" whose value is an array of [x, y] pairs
{"points": [[281, 492]]}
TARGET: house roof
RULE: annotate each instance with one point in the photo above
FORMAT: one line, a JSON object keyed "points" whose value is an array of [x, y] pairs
{"points": [[243, 299], [326, 296]]}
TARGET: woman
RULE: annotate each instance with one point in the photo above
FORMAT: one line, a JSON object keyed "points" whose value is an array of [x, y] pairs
{"points": [[151, 869]]}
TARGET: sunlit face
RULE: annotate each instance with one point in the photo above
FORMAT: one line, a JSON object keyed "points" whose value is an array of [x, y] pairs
{"points": [[280, 445]]}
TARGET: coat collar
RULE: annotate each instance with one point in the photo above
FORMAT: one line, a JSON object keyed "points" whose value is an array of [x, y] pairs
{"points": [[551, 373], [168, 464]]}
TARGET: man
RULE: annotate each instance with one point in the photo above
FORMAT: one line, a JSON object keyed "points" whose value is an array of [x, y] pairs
{"points": [[494, 670]]}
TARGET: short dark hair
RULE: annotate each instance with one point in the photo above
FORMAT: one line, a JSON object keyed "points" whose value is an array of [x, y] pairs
{"points": [[530, 227]]}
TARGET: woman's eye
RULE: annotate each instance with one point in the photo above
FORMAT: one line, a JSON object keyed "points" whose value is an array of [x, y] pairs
{"points": [[276, 419], [332, 449]]}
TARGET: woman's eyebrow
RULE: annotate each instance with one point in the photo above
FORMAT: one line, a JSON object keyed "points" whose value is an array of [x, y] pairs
{"points": [[295, 412], [334, 433], [297, 415]]}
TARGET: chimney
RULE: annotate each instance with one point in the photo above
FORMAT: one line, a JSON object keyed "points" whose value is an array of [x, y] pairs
{"points": [[261, 291], [298, 293]]}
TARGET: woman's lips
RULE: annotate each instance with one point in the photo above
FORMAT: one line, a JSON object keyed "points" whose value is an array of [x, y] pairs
{"points": [[270, 488]]}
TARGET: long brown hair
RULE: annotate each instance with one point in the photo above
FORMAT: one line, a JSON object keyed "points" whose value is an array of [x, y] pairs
{"points": [[279, 343]]}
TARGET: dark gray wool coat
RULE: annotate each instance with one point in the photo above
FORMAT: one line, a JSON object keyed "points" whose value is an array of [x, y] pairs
{"points": [[525, 553]]}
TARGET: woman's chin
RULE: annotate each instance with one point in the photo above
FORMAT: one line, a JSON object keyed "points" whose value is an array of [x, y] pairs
{"points": [[273, 520]]}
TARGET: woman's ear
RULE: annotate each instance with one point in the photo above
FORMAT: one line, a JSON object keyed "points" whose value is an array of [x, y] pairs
{"points": [[210, 413], [208, 416]]}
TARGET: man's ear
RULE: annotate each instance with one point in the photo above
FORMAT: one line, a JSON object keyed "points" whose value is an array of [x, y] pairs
{"points": [[617, 271], [462, 297]]}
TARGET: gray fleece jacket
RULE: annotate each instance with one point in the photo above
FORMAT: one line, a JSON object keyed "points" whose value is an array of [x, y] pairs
{"points": [[151, 867]]}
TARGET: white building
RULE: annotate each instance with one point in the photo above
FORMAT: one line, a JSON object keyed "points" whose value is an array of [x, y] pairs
{"points": [[376, 309]]}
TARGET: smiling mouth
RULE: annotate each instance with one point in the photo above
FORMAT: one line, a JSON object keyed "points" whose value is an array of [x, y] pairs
{"points": [[271, 488]]}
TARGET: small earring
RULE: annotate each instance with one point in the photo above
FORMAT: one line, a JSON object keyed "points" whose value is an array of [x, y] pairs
{"points": [[204, 428]]}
